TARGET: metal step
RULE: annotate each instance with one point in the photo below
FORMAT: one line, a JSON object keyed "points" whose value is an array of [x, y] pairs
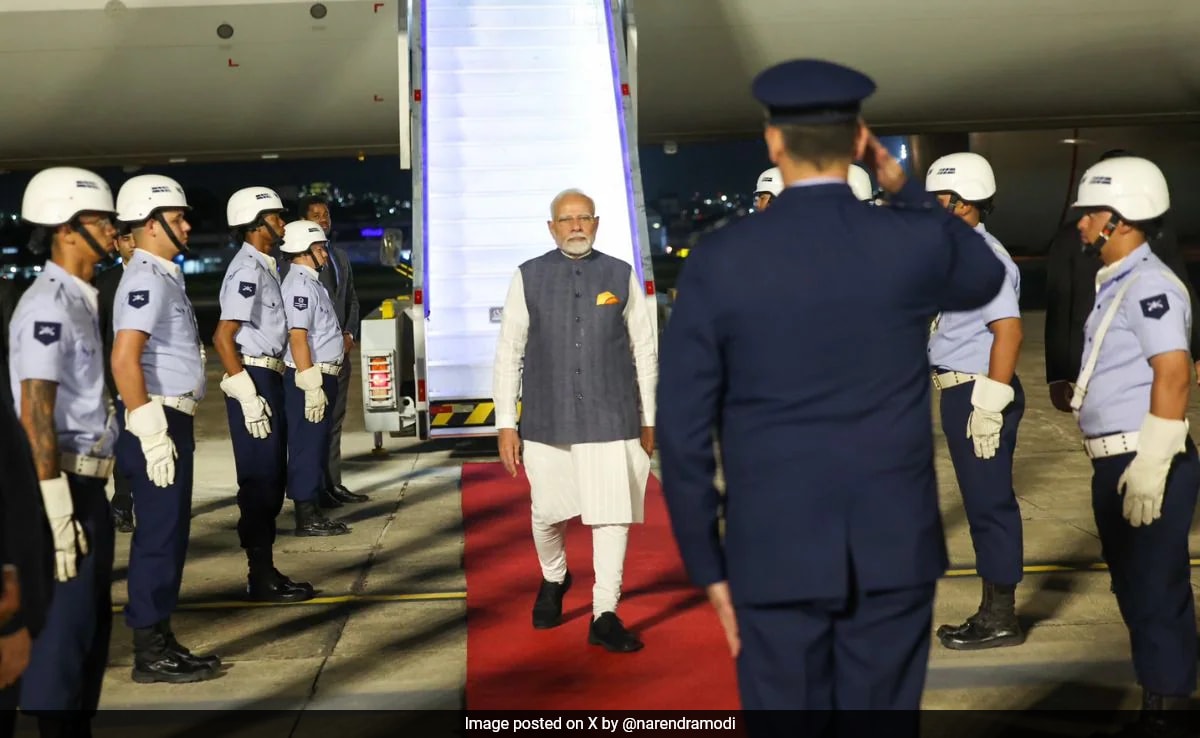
{"points": [[520, 100]]}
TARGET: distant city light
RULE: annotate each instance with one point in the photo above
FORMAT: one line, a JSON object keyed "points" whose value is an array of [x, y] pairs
{"points": [[371, 232]]}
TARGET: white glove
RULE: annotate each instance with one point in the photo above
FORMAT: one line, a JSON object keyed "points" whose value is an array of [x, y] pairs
{"points": [[69, 540], [1145, 479], [988, 398], [149, 424], [310, 381], [255, 410]]}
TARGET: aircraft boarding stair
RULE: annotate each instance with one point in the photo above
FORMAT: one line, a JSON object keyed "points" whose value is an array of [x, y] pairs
{"points": [[514, 101]]}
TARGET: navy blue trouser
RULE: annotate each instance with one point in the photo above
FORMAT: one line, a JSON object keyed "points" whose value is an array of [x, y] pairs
{"points": [[1151, 572], [66, 666], [261, 462], [160, 539], [307, 443], [866, 652], [991, 505]]}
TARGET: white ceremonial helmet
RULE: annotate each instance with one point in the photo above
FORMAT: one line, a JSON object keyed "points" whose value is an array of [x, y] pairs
{"points": [[965, 174], [142, 195], [1133, 188], [248, 203], [54, 196], [300, 235], [860, 182], [770, 181]]}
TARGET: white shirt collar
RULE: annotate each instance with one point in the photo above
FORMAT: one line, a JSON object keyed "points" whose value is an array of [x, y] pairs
{"points": [[265, 260], [1114, 269], [167, 264], [307, 270]]}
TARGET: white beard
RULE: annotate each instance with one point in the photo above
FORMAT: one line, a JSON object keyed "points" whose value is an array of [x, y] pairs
{"points": [[576, 247]]}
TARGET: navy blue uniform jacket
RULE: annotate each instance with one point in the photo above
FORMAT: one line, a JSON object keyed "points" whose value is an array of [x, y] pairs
{"points": [[799, 337]]}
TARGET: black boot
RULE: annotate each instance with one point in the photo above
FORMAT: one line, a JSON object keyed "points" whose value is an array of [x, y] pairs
{"points": [[154, 661], [994, 625], [208, 661], [547, 608], [265, 583], [310, 522], [608, 631]]}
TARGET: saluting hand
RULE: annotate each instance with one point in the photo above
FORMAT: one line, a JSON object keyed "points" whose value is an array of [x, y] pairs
{"points": [[888, 172]]}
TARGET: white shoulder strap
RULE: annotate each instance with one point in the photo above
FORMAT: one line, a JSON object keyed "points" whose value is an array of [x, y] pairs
{"points": [[1085, 376]]}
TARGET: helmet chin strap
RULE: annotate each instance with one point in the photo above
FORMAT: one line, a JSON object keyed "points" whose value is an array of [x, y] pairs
{"points": [[106, 258], [170, 233], [1094, 247]]}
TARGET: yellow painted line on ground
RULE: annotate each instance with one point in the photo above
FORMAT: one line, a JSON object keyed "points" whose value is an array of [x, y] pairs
{"points": [[331, 600], [453, 596], [1050, 568]]}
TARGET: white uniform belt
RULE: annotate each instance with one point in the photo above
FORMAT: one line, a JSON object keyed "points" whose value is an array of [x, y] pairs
{"points": [[185, 405], [85, 466], [946, 380], [265, 362], [1117, 443], [325, 367]]}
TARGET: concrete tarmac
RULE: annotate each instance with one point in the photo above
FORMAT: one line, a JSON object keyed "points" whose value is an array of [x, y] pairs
{"points": [[388, 629]]}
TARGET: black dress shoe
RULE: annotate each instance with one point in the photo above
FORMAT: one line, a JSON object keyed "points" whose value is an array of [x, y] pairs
{"points": [[273, 586], [547, 608], [608, 631], [122, 520], [310, 522], [327, 501], [339, 492]]}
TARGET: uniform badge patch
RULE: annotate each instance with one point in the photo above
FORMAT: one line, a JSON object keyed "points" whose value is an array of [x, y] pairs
{"points": [[607, 298], [1155, 307], [246, 289], [139, 298], [47, 333], [300, 303]]}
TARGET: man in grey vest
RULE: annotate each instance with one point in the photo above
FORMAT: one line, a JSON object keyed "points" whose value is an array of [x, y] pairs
{"points": [[581, 323]]}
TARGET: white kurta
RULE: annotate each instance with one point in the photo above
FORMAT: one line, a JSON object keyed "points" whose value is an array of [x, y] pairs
{"points": [[603, 483]]}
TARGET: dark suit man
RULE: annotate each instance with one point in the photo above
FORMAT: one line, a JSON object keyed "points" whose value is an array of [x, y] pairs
{"points": [[9, 293], [818, 388], [106, 284], [338, 279], [26, 543], [1071, 291]]}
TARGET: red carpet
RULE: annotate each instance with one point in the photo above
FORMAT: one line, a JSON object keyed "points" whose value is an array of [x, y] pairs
{"points": [[510, 666]]}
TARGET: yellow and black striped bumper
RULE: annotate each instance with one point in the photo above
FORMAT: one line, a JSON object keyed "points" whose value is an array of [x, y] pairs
{"points": [[463, 414]]}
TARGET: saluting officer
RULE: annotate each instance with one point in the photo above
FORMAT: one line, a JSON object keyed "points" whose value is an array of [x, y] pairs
{"points": [[818, 390], [250, 339], [1131, 401], [58, 380], [767, 188], [313, 358], [973, 355], [158, 365]]}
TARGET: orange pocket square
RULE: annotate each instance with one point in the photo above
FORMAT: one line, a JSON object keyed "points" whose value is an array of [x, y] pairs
{"points": [[607, 298]]}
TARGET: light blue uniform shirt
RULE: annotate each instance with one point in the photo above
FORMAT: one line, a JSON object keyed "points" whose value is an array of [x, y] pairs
{"points": [[151, 298], [961, 341], [309, 307], [1153, 319], [251, 295], [55, 336]]}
